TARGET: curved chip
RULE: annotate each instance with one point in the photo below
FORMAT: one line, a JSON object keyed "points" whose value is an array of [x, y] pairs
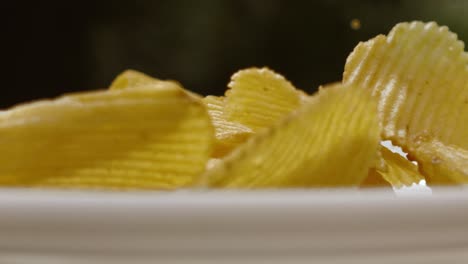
{"points": [[129, 138], [443, 164], [135, 79], [259, 98], [131, 78], [228, 134], [331, 141], [397, 171], [420, 77], [400, 171], [374, 179]]}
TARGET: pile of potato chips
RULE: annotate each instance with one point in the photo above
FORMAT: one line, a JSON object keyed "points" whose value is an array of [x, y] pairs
{"points": [[410, 87]]}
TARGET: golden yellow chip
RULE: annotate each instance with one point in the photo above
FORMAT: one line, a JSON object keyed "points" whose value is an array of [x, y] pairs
{"points": [[129, 138], [259, 98], [443, 164], [228, 134], [134, 79], [400, 171], [419, 74], [396, 171], [331, 141], [131, 78], [374, 179]]}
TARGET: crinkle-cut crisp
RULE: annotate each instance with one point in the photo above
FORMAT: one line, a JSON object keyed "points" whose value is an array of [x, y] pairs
{"points": [[140, 138], [419, 75], [228, 134], [443, 164], [399, 171], [259, 98], [396, 171], [331, 141], [256, 99]]}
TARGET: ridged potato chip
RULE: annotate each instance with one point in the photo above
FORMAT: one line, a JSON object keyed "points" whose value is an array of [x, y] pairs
{"points": [[259, 98], [331, 141], [374, 179], [128, 138], [396, 171], [419, 75], [228, 134], [443, 164], [399, 171]]}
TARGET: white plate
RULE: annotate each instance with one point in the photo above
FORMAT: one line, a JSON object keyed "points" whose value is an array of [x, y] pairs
{"points": [[301, 226]]}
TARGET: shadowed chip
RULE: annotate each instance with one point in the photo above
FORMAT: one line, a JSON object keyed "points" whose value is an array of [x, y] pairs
{"points": [[399, 171], [228, 134]]}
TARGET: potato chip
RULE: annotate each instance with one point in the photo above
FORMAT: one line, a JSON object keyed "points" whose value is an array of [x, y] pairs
{"points": [[131, 78], [400, 171], [420, 77], [128, 138], [443, 164], [331, 141], [259, 98], [396, 171], [374, 179], [228, 134], [134, 79]]}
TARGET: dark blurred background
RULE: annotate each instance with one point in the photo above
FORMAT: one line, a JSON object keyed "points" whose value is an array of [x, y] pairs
{"points": [[55, 47]]}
